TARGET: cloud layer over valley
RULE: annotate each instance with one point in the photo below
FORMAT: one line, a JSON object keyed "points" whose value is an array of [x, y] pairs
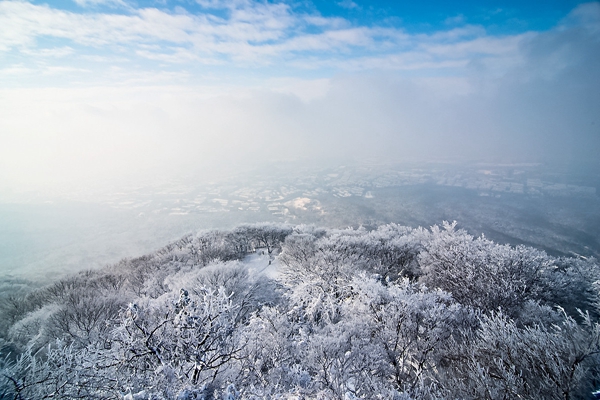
{"points": [[104, 91]]}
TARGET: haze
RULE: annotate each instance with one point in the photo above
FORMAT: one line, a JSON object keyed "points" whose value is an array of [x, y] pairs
{"points": [[97, 92], [334, 199], [127, 124]]}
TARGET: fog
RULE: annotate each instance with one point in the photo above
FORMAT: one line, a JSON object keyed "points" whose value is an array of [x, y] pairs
{"points": [[528, 97], [107, 106], [311, 199]]}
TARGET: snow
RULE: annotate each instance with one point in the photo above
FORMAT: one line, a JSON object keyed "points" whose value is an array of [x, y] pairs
{"points": [[258, 263]]}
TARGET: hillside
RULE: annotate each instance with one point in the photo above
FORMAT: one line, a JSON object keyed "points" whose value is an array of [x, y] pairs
{"points": [[277, 311]]}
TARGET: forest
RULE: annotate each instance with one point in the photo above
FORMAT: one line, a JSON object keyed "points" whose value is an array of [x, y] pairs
{"points": [[389, 312]]}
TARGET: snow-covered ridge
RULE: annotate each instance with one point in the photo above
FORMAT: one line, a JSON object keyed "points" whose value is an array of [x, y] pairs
{"points": [[274, 311]]}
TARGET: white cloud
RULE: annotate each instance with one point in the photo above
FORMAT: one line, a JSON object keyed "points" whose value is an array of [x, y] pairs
{"points": [[177, 55], [53, 52], [456, 20], [110, 3], [57, 70], [251, 32], [349, 4], [305, 90], [16, 70], [468, 94], [329, 22], [453, 35], [585, 15]]}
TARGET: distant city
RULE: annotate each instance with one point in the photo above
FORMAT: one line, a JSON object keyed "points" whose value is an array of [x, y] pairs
{"points": [[529, 204], [282, 192]]}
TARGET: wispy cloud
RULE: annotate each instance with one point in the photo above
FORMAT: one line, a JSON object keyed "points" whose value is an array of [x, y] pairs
{"points": [[53, 52], [248, 32], [455, 20], [349, 4], [109, 3]]}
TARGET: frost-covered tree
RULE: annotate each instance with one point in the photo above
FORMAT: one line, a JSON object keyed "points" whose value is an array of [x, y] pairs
{"points": [[410, 330], [162, 347], [482, 274], [388, 313], [560, 361], [267, 234], [191, 340]]}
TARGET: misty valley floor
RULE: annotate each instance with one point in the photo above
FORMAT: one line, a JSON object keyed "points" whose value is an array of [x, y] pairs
{"points": [[509, 204]]}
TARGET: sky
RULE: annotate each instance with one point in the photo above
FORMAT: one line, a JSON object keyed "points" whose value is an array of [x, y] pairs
{"points": [[104, 91]]}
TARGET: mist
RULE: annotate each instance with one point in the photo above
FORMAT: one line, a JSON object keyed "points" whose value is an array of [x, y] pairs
{"points": [[115, 141], [535, 100], [348, 199]]}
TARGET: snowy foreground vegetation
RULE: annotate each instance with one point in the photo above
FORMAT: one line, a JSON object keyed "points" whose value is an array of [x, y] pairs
{"points": [[296, 312]]}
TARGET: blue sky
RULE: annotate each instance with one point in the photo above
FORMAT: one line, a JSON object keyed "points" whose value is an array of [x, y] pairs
{"points": [[94, 41], [97, 90]]}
